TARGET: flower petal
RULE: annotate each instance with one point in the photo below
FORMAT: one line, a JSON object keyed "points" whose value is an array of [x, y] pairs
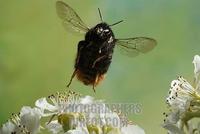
{"points": [[196, 63], [7, 128], [132, 129], [112, 119], [172, 129], [87, 100], [30, 117], [54, 127], [44, 105]]}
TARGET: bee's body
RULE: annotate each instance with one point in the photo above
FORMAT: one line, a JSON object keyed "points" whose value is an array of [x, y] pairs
{"points": [[94, 54]]}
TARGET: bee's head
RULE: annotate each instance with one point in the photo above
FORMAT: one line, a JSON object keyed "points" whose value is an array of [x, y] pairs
{"points": [[103, 31]]}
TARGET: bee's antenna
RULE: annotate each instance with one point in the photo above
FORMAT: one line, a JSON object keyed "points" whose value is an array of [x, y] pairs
{"points": [[100, 15], [116, 23]]}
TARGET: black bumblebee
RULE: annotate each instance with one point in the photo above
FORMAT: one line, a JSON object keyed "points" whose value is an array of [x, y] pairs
{"points": [[95, 51]]}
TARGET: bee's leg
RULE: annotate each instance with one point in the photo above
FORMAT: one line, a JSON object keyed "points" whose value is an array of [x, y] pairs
{"points": [[80, 46], [74, 73], [95, 83], [97, 60], [93, 87]]}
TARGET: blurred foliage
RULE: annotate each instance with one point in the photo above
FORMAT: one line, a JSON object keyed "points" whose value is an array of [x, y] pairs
{"points": [[37, 54]]}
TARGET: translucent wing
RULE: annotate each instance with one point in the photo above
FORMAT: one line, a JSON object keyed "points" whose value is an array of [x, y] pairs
{"points": [[134, 46], [71, 21]]}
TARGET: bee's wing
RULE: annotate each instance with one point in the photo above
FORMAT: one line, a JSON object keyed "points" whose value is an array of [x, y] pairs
{"points": [[71, 21], [134, 46]]}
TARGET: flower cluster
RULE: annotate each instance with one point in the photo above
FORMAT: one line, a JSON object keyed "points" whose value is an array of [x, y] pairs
{"points": [[184, 104], [70, 113], [26, 122]]}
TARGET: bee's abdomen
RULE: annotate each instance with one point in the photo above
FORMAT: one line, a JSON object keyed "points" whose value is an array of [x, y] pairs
{"points": [[88, 79], [90, 70]]}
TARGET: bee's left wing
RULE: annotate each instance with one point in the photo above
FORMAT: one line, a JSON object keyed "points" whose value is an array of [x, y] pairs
{"points": [[134, 46], [71, 21]]}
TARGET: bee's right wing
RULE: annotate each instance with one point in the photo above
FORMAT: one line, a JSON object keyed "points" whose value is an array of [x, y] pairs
{"points": [[134, 46], [71, 21]]}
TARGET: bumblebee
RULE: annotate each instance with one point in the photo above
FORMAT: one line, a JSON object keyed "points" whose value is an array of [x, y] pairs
{"points": [[94, 54]]}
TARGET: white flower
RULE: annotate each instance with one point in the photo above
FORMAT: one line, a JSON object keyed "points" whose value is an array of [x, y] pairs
{"points": [[181, 94], [70, 102], [183, 101], [30, 117], [196, 63], [68, 107], [74, 115], [27, 121], [83, 115], [14, 126], [60, 103]]}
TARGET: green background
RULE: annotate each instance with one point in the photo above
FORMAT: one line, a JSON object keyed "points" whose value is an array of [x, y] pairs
{"points": [[37, 54]]}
